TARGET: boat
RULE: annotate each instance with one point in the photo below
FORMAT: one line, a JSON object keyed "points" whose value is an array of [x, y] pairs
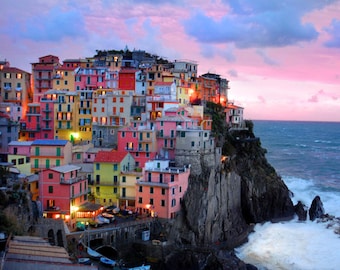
{"points": [[84, 260], [94, 254], [142, 267], [107, 261]]}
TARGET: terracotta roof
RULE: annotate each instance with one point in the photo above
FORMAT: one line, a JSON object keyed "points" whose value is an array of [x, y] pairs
{"points": [[112, 157], [13, 70]]}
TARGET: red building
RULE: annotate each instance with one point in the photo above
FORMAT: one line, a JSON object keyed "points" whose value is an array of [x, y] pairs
{"points": [[127, 79], [62, 191], [43, 73]]}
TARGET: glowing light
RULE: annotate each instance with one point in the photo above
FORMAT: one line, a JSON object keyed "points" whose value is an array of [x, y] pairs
{"points": [[67, 217], [57, 216], [74, 208]]}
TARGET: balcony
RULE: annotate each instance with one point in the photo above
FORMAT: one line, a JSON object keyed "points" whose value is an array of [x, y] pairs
{"points": [[7, 88], [71, 180], [64, 127], [18, 88], [47, 119], [46, 128]]}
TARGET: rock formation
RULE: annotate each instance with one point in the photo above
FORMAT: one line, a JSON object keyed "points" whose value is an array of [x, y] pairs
{"points": [[222, 204], [316, 210], [301, 211]]}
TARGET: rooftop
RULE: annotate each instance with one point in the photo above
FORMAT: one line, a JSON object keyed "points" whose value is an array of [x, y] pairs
{"points": [[66, 168], [49, 142]]}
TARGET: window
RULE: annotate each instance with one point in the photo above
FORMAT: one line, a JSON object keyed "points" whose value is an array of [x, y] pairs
{"points": [[123, 134], [14, 161], [57, 162], [160, 178], [192, 144], [121, 109], [115, 190], [173, 191], [36, 163], [140, 200], [50, 189], [124, 179], [50, 176], [149, 177], [115, 167], [98, 190], [162, 202], [37, 151], [78, 156], [21, 161], [151, 190], [173, 202], [97, 166], [172, 178], [140, 189], [58, 152], [151, 201], [163, 191], [161, 123]]}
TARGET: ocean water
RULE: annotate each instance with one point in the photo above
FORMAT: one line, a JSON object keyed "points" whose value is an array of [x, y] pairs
{"points": [[307, 156]]}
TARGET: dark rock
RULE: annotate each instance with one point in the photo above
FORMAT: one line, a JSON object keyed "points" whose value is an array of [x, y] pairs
{"points": [[316, 210], [301, 211], [204, 259]]}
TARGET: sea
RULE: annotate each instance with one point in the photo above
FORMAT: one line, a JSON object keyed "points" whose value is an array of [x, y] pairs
{"points": [[307, 157]]}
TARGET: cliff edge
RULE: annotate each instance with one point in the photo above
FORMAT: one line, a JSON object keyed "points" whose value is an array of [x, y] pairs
{"points": [[223, 203]]}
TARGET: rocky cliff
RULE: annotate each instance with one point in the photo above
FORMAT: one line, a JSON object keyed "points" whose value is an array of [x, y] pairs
{"points": [[223, 202]]}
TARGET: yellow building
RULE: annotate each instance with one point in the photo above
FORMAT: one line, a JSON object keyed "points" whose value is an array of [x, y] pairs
{"points": [[127, 188], [107, 170], [64, 78]]}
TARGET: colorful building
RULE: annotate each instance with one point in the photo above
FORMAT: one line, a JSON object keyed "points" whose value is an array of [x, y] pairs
{"points": [[160, 191], [15, 88], [64, 78], [19, 153], [140, 141], [50, 153], [110, 111], [234, 116], [62, 191], [43, 73], [107, 170]]}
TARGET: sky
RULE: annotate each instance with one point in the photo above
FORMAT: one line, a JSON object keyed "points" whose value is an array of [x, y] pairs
{"points": [[282, 58]]}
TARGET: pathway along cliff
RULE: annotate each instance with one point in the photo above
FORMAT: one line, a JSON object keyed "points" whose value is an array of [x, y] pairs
{"points": [[223, 203]]}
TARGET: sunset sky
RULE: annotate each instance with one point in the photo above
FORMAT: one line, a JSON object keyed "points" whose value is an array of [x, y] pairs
{"points": [[282, 58]]}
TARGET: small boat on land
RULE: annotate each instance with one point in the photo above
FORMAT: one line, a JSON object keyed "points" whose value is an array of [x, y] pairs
{"points": [[84, 260], [93, 254], [107, 261]]}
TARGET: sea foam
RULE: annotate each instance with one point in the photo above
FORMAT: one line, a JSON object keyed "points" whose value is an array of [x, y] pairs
{"points": [[294, 244]]}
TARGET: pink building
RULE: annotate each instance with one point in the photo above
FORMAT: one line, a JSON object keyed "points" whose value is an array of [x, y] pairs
{"points": [[173, 119], [46, 154], [161, 189], [139, 141], [61, 192]]}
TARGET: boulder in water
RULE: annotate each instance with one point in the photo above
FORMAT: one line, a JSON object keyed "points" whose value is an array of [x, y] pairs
{"points": [[301, 211], [316, 210]]}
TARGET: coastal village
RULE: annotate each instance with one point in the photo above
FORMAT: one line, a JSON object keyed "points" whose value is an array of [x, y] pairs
{"points": [[114, 133]]}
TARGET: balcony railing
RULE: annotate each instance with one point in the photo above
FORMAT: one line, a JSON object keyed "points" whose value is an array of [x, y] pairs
{"points": [[73, 180]]}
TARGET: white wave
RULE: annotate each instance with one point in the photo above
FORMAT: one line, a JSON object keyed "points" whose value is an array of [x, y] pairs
{"points": [[296, 245], [292, 245]]}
